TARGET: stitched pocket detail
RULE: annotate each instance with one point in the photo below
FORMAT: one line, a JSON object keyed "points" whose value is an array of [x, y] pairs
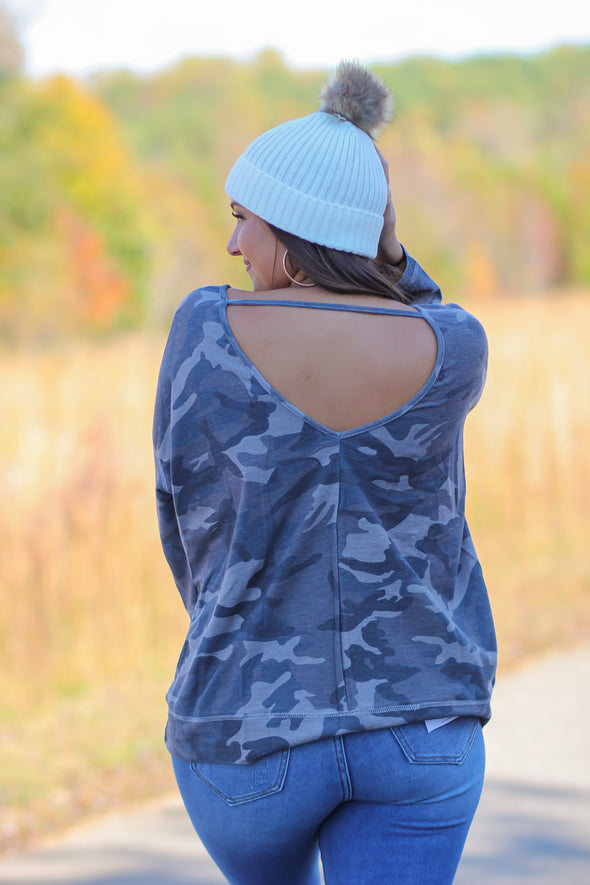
{"points": [[447, 745], [238, 784]]}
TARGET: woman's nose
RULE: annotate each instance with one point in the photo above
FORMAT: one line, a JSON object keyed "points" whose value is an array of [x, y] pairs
{"points": [[232, 246]]}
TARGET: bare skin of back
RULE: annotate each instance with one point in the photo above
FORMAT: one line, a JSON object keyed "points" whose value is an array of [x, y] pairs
{"points": [[340, 368]]}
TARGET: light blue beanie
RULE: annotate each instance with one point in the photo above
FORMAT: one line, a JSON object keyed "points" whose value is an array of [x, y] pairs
{"points": [[320, 177]]}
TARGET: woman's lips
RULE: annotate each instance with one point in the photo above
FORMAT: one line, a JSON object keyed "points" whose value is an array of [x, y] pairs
{"points": [[247, 265]]}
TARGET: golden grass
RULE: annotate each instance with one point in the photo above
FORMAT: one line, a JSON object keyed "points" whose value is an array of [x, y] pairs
{"points": [[90, 621], [86, 595], [528, 469]]}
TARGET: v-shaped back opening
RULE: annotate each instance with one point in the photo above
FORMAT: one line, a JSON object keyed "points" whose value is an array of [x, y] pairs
{"points": [[341, 375]]}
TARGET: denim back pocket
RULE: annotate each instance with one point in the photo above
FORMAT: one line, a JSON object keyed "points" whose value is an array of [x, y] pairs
{"points": [[237, 784], [449, 744]]}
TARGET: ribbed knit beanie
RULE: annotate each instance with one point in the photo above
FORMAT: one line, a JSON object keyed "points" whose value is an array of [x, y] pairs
{"points": [[319, 177]]}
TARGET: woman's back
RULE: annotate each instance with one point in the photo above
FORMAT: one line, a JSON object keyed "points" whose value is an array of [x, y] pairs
{"points": [[343, 368]]}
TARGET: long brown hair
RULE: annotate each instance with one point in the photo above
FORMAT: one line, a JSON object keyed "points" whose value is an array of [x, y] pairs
{"points": [[341, 272]]}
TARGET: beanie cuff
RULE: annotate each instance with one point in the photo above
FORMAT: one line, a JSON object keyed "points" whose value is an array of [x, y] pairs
{"points": [[341, 227]]}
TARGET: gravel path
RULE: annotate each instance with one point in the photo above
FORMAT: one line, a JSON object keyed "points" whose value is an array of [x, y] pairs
{"points": [[532, 826]]}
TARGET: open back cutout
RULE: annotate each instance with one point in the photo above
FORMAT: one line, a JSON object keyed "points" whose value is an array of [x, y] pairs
{"points": [[340, 367]]}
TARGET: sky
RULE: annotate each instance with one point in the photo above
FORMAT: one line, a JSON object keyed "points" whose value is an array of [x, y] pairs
{"points": [[80, 37]]}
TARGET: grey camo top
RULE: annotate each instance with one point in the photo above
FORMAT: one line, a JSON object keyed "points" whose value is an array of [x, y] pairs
{"points": [[330, 578]]}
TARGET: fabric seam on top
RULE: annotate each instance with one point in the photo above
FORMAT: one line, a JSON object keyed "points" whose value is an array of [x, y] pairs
{"points": [[330, 714], [339, 657]]}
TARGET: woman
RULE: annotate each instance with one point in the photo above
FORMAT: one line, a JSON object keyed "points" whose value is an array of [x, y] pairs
{"points": [[308, 436]]}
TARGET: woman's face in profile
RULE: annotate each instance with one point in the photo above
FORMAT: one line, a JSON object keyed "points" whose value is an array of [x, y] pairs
{"points": [[261, 252]]}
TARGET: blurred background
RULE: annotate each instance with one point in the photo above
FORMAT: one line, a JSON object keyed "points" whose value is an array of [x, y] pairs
{"points": [[118, 124]]}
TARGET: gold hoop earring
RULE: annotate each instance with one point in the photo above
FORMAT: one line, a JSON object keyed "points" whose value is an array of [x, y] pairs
{"points": [[293, 280]]}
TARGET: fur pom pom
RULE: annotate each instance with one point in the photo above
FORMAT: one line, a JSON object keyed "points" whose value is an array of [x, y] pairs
{"points": [[355, 93]]}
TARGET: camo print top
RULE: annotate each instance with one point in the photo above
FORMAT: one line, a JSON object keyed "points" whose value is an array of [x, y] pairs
{"points": [[330, 578]]}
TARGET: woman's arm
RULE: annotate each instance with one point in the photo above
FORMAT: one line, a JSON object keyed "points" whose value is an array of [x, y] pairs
{"points": [[390, 249], [167, 518], [417, 285], [414, 282]]}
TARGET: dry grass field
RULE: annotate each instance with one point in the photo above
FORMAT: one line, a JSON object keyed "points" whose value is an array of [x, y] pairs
{"points": [[528, 467], [90, 622]]}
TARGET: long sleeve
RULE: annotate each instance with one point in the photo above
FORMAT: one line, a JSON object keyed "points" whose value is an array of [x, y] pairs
{"points": [[167, 518], [416, 283]]}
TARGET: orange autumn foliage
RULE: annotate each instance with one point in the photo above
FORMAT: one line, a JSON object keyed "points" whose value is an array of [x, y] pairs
{"points": [[96, 289]]}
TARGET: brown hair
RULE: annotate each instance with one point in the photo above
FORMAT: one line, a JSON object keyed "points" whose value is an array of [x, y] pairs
{"points": [[341, 272]]}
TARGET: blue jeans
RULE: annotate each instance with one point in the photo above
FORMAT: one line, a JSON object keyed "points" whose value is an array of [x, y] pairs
{"points": [[382, 807]]}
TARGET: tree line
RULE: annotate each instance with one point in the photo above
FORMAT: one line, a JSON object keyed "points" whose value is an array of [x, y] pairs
{"points": [[111, 190]]}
